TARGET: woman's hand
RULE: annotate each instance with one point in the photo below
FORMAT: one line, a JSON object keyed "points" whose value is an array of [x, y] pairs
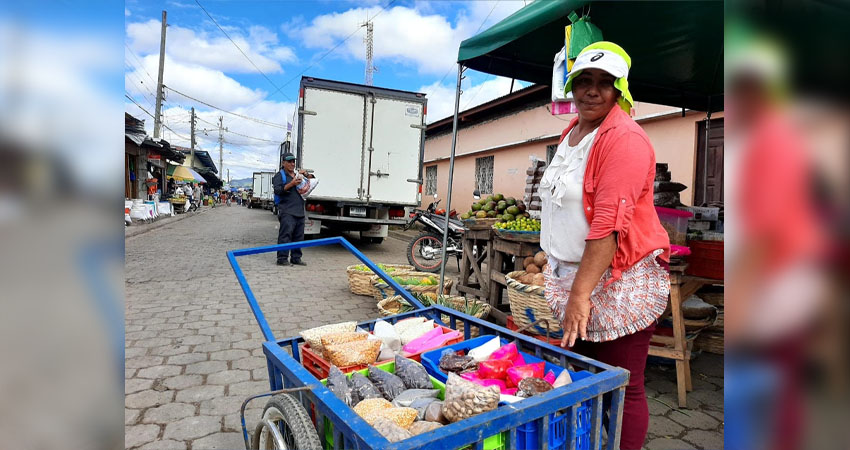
{"points": [[575, 319]]}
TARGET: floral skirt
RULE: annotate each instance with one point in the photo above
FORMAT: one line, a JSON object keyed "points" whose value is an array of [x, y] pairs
{"points": [[624, 307]]}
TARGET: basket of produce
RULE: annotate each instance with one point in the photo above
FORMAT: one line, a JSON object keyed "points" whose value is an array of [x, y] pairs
{"points": [[414, 282], [495, 206], [526, 293], [359, 277], [522, 229], [475, 223], [475, 308]]}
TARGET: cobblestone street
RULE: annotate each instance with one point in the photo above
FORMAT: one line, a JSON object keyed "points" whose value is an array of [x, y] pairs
{"points": [[193, 346]]}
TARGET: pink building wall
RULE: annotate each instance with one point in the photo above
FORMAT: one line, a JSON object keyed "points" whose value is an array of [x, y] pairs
{"points": [[513, 139]]}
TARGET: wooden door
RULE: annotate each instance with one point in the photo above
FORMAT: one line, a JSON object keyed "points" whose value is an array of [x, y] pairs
{"points": [[708, 182]]}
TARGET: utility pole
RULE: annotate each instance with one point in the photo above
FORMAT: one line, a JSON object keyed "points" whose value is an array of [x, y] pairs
{"points": [[157, 121], [221, 129], [193, 137], [370, 69], [228, 176]]}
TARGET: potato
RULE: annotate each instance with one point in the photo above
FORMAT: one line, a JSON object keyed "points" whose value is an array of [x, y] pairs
{"points": [[540, 258], [526, 278], [532, 268], [527, 261], [538, 279]]}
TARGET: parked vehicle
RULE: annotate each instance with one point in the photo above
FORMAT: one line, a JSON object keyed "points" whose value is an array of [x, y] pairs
{"points": [[365, 144], [425, 252], [262, 192]]}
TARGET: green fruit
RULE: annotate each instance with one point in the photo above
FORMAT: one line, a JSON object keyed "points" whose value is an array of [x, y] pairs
{"points": [[501, 206], [491, 199], [491, 214], [465, 216], [487, 208], [481, 214], [492, 205], [508, 217], [476, 206], [498, 197], [510, 201], [512, 210]]}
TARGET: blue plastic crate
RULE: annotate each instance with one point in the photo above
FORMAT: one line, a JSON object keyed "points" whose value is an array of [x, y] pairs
{"points": [[527, 434]]}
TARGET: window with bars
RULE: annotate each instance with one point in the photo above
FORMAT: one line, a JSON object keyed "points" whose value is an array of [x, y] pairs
{"points": [[484, 174], [430, 180], [550, 152]]}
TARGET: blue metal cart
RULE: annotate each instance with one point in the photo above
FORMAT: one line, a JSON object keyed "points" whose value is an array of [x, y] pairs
{"points": [[300, 404]]}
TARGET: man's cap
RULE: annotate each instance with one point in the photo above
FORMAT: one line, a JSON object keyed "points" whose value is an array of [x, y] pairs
{"points": [[288, 157]]}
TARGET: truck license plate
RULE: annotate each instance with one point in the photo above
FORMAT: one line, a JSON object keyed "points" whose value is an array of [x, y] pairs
{"points": [[358, 211]]}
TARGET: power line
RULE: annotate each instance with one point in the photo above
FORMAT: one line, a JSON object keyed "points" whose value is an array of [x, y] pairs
{"points": [[138, 78], [141, 65], [240, 49], [129, 97], [260, 121]]}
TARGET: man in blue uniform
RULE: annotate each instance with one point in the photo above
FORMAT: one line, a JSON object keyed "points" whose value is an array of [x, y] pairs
{"points": [[290, 210]]}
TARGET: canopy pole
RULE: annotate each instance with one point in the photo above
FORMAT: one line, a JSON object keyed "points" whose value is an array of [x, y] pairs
{"points": [[451, 177]]}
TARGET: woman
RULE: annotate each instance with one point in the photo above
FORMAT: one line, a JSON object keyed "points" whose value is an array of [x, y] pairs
{"points": [[604, 280]]}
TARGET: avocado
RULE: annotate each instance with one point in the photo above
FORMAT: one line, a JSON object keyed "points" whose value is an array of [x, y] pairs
{"points": [[513, 210], [491, 199], [510, 201], [465, 216], [491, 214], [492, 205], [508, 217], [501, 206], [481, 214], [476, 207], [498, 197]]}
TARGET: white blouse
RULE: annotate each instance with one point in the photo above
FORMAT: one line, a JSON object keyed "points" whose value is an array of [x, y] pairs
{"points": [[564, 226]]}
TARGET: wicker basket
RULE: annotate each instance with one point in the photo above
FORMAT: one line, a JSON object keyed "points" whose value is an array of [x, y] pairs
{"points": [[528, 304], [360, 283], [383, 290], [393, 305], [518, 236]]}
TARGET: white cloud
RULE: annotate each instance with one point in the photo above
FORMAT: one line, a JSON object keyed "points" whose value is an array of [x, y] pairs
{"points": [[408, 36], [441, 97], [214, 51]]}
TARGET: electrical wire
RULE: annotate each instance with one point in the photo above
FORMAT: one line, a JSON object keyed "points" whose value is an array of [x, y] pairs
{"points": [[129, 97], [141, 65], [253, 119]]}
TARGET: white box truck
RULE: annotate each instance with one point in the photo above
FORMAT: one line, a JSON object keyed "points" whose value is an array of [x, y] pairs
{"points": [[263, 193], [365, 144]]}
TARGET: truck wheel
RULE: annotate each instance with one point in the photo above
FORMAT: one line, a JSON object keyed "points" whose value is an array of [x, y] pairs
{"points": [[296, 431], [425, 252]]}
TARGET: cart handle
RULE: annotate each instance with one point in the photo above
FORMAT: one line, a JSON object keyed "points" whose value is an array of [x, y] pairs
{"points": [[252, 300], [534, 324], [267, 394]]}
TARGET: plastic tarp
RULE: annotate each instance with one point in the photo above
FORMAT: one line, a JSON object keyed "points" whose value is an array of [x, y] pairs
{"points": [[676, 47]]}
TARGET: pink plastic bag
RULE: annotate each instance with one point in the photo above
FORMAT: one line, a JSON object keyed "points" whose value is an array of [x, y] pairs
{"points": [[510, 353], [550, 377], [416, 345], [470, 376], [518, 373], [510, 391], [491, 382], [434, 342], [494, 368]]}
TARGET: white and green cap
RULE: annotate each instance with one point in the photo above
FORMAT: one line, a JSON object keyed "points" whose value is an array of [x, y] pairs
{"points": [[611, 58]]}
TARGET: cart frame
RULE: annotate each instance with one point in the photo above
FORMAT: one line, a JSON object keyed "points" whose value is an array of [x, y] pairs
{"points": [[351, 431]]}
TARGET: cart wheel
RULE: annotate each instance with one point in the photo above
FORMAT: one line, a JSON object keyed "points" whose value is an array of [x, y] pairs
{"points": [[295, 429]]}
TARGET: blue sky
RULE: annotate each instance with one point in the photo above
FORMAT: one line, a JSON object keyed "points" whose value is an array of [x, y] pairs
{"points": [[415, 48]]}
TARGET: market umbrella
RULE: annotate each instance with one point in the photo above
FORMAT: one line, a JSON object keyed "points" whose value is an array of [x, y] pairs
{"points": [[676, 50], [183, 173]]}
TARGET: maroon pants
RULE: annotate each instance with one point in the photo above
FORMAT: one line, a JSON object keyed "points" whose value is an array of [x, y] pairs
{"points": [[628, 352]]}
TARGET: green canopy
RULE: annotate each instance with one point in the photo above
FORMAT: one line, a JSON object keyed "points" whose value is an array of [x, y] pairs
{"points": [[676, 47]]}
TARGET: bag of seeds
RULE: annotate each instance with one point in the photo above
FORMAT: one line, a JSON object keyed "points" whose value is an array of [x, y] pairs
{"points": [[407, 397], [341, 338], [390, 430], [465, 399], [353, 353], [423, 427], [338, 384], [389, 385], [452, 362], [421, 405], [434, 413], [412, 374], [362, 388], [313, 336]]}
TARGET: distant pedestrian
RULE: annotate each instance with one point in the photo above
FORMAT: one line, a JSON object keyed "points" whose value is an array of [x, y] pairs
{"points": [[290, 210], [244, 198], [198, 193]]}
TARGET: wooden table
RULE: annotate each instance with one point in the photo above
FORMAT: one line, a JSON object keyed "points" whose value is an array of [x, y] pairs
{"points": [[501, 251], [681, 287], [476, 249]]}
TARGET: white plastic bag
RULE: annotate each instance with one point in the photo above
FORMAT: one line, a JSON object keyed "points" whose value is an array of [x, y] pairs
{"points": [[414, 331], [563, 379], [482, 352], [559, 76], [387, 333]]}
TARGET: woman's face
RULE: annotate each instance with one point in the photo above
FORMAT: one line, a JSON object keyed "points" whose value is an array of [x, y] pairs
{"points": [[595, 94]]}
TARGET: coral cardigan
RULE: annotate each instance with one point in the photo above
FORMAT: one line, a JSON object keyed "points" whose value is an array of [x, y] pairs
{"points": [[618, 191]]}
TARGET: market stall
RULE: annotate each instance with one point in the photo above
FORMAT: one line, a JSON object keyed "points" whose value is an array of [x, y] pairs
{"points": [[679, 45]]}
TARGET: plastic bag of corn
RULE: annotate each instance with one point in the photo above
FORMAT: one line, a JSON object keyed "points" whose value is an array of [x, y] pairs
{"points": [[353, 353]]}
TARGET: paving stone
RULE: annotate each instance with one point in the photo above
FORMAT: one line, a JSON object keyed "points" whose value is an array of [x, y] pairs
{"points": [[206, 367], [131, 416], [694, 419], [148, 398], [192, 428], [260, 374], [704, 439], [664, 427], [134, 385], [212, 347], [248, 388], [155, 342], [220, 441], [228, 377], [199, 393], [709, 399], [194, 340], [142, 362], [169, 350], [187, 358], [222, 406], [229, 355], [233, 422], [135, 435], [159, 372], [249, 363], [667, 444], [716, 414], [183, 381], [168, 413], [167, 444], [134, 352]]}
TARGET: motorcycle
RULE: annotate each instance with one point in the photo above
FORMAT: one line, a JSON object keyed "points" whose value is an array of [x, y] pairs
{"points": [[425, 252]]}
